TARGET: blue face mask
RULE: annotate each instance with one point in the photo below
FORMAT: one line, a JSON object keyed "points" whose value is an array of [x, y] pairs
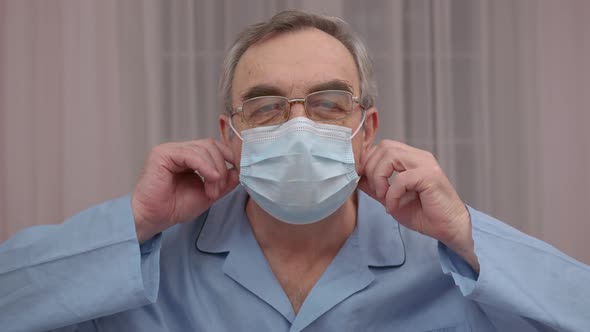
{"points": [[300, 171]]}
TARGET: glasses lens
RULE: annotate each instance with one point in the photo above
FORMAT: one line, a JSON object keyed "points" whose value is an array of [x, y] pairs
{"points": [[265, 111], [329, 105]]}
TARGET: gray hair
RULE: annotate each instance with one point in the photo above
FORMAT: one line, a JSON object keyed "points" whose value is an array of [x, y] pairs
{"points": [[295, 20]]}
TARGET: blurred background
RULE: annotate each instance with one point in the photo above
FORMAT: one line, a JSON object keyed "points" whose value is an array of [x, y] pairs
{"points": [[498, 90]]}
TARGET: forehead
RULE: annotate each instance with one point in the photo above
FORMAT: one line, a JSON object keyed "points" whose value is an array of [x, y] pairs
{"points": [[293, 62]]}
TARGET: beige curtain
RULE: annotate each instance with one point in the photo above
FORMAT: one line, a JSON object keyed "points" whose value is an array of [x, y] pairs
{"points": [[498, 90], [80, 104]]}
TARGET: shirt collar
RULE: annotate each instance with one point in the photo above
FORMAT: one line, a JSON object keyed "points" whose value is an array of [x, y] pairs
{"points": [[379, 234]]}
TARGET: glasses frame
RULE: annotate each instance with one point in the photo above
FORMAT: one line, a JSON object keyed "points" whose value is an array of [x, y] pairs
{"points": [[292, 101]]}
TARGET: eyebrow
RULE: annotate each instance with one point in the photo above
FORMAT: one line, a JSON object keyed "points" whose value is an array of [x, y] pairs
{"points": [[262, 90], [331, 85]]}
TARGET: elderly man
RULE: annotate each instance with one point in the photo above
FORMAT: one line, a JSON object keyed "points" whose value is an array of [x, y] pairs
{"points": [[284, 240]]}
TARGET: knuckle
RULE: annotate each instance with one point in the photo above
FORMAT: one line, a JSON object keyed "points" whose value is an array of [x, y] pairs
{"points": [[159, 151], [385, 143], [401, 177], [396, 146], [436, 171], [209, 141], [196, 149], [429, 155]]}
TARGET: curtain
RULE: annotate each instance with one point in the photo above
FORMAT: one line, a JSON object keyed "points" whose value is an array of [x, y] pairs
{"points": [[80, 104], [497, 90]]}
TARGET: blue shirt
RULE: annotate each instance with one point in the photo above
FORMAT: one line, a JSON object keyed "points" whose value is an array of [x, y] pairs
{"points": [[90, 274]]}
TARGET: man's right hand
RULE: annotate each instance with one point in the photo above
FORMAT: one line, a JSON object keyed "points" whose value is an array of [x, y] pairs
{"points": [[179, 182]]}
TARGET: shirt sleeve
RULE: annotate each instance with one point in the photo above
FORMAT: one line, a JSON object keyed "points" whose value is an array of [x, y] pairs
{"points": [[88, 267], [521, 275]]}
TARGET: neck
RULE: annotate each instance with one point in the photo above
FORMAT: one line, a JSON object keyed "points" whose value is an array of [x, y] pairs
{"points": [[326, 235]]}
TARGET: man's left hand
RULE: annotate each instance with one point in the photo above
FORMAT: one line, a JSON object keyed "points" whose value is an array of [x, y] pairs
{"points": [[420, 195]]}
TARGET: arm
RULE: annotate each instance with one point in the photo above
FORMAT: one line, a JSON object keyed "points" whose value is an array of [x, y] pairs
{"points": [[520, 282], [93, 265], [88, 267], [522, 276]]}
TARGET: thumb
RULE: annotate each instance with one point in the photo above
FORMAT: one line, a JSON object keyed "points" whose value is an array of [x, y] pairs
{"points": [[364, 186]]}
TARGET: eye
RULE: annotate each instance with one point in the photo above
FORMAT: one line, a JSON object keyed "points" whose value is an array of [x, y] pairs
{"points": [[268, 108], [326, 109], [325, 105], [264, 111]]}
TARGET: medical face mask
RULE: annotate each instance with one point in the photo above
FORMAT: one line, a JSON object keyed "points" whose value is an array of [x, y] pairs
{"points": [[300, 171]]}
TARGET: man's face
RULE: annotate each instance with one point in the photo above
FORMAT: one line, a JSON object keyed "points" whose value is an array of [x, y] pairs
{"points": [[293, 65]]}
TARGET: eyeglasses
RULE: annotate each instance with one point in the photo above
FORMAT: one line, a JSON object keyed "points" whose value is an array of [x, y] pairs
{"points": [[326, 106]]}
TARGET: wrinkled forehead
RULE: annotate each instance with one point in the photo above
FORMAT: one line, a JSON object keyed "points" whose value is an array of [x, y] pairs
{"points": [[294, 64]]}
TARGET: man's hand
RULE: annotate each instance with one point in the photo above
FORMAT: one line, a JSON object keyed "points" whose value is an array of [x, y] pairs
{"points": [[179, 182], [420, 195]]}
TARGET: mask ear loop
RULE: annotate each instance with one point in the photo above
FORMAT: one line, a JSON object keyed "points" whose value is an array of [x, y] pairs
{"points": [[360, 125], [231, 125]]}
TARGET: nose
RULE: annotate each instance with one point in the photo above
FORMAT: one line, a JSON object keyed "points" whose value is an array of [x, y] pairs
{"points": [[297, 109]]}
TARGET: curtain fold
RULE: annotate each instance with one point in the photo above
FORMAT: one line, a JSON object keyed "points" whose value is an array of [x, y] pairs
{"points": [[497, 90], [79, 105], [563, 143]]}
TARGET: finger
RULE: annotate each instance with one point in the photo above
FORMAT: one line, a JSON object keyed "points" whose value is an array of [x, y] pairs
{"points": [[403, 184], [370, 165], [176, 158], [380, 175], [214, 190], [407, 198], [365, 157], [390, 157], [225, 155], [363, 185], [214, 186], [404, 157], [233, 179], [226, 152], [211, 148], [220, 154], [208, 162]]}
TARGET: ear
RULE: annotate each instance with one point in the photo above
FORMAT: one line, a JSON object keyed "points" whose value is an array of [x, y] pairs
{"points": [[225, 129], [370, 127]]}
